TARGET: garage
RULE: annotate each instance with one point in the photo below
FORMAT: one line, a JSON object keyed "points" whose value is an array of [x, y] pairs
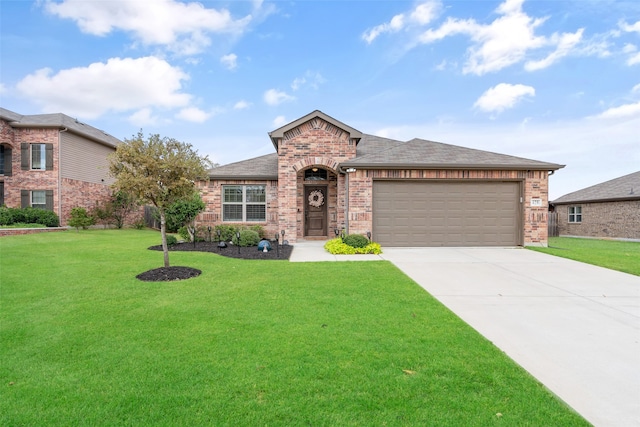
{"points": [[446, 213]]}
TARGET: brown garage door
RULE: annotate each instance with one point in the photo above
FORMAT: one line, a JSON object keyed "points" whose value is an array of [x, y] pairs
{"points": [[418, 213]]}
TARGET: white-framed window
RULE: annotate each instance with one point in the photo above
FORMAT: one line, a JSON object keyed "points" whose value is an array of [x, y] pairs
{"points": [[575, 213], [244, 203], [39, 199], [38, 157]]}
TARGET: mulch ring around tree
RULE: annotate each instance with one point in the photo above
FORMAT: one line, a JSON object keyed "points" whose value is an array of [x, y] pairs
{"points": [[168, 274], [283, 252]]}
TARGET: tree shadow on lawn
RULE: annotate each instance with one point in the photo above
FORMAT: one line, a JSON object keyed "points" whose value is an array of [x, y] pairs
{"points": [[166, 274]]}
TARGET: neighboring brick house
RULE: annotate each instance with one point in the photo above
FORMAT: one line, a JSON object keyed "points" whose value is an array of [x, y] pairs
{"points": [[326, 176], [610, 209], [52, 161]]}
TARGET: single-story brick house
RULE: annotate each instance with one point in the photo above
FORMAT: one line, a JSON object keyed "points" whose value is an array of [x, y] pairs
{"points": [[327, 176], [610, 209], [52, 161]]}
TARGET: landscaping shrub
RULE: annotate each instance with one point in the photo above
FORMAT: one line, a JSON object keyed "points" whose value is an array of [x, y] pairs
{"points": [[6, 216], [139, 224], [356, 241], [227, 232], [338, 247], [171, 240], [258, 229], [79, 218], [9, 216], [247, 238]]}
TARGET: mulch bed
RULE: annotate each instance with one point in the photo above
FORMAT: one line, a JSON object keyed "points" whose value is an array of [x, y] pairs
{"points": [[164, 274]]}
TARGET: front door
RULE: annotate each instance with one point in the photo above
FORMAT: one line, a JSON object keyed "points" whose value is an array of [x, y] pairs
{"points": [[315, 211]]}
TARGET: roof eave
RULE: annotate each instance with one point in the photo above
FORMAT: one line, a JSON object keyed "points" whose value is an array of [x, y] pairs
{"points": [[65, 129], [610, 199], [449, 166], [244, 177]]}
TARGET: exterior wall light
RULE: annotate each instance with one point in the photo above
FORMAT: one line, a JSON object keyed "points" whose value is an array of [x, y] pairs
{"points": [[350, 170]]}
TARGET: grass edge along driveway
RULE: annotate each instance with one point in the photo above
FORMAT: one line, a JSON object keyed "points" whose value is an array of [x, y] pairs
{"points": [[82, 342], [612, 254]]}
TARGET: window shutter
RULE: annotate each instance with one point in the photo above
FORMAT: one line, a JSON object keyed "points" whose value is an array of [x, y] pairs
{"points": [[49, 200], [24, 156], [49, 151], [7, 161], [24, 199]]}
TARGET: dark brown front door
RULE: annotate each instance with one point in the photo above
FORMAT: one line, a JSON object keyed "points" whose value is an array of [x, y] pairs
{"points": [[315, 211]]}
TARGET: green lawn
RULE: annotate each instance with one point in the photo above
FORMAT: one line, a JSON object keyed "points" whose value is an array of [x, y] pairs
{"points": [[613, 254], [247, 343]]}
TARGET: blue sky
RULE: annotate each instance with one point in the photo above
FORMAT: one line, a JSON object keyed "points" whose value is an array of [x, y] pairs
{"points": [[557, 81]]}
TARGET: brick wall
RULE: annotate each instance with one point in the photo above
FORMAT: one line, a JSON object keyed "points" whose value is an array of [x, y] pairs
{"points": [[82, 194], [30, 179], [606, 219]]}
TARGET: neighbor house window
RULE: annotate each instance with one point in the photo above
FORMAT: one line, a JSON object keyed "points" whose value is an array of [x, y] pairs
{"points": [[1, 159], [39, 199], [244, 203], [38, 157], [575, 213]]}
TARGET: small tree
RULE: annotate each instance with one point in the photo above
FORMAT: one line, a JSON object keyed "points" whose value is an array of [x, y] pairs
{"points": [[102, 213], [184, 212], [79, 218], [122, 204], [158, 171]]}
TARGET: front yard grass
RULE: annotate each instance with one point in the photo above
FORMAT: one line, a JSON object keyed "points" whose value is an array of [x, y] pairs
{"points": [[82, 342], [613, 254]]}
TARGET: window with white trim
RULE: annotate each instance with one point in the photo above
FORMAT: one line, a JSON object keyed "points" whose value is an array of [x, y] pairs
{"points": [[39, 199], [38, 157], [244, 203], [575, 213]]}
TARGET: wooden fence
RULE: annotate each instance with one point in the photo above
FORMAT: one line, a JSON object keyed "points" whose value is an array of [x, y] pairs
{"points": [[553, 224]]}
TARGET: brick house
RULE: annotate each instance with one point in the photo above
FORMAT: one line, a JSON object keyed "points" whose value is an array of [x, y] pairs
{"points": [[326, 176], [610, 209], [52, 161]]}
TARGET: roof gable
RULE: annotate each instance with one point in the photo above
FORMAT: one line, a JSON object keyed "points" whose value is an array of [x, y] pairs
{"points": [[420, 153], [626, 187], [282, 132]]}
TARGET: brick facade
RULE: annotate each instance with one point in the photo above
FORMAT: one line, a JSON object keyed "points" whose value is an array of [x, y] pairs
{"points": [[620, 219], [67, 193]]}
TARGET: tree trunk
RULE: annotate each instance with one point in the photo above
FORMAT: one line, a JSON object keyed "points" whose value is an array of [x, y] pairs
{"points": [[163, 232]]}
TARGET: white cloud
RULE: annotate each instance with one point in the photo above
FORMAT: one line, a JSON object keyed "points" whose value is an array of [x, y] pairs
{"points": [[182, 27], [623, 111], [279, 121], [117, 85], [421, 15], [230, 61], [3, 88], [630, 28], [311, 79], [193, 114], [143, 117], [503, 96], [241, 105], [564, 43], [275, 97], [636, 88]]}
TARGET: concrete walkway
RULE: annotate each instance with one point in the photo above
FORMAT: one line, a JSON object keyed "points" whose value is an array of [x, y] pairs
{"points": [[573, 326]]}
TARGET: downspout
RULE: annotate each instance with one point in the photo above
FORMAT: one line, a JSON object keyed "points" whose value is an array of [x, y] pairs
{"points": [[346, 203], [60, 172]]}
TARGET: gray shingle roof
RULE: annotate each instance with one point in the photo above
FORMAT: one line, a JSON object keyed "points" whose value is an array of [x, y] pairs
{"points": [[58, 120], [626, 187], [263, 167], [420, 153]]}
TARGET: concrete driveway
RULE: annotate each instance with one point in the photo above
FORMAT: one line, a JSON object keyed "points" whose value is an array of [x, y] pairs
{"points": [[573, 326]]}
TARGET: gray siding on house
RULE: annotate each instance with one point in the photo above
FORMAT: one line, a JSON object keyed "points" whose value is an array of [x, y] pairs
{"points": [[84, 160]]}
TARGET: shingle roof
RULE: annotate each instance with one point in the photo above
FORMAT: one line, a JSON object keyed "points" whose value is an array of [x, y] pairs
{"points": [[420, 153], [263, 167], [626, 187], [58, 120]]}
